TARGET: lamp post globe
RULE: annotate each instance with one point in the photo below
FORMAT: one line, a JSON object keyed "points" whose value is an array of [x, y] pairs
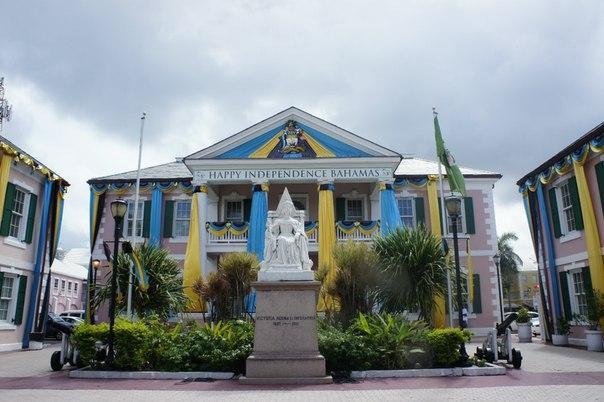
{"points": [[118, 211]]}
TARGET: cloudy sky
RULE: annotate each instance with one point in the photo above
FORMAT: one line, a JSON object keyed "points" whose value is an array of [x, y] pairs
{"points": [[514, 81]]}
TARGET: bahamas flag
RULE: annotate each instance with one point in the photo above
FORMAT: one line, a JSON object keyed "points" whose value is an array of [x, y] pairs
{"points": [[139, 272], [454, 176]]}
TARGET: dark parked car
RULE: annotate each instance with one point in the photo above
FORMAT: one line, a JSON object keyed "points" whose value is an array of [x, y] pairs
{"points": [[50, 331]]}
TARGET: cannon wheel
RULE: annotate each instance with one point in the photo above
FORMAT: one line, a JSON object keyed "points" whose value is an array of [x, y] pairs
{"points": [[516, 358], [489, 356], [55, 361]]}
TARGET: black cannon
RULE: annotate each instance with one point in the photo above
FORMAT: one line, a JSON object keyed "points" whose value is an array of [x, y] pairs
{"points": [[498, 345], [68, 353]]}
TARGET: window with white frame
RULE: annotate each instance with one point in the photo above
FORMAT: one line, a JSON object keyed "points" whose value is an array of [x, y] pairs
{"points": [[75, 288], [578, 296], [354, 209], [18, 218], [56, 284], [7, 296], [406, 211], [129, 222], [62, 285], [182, 215], [233, 211], [567, 215], [69, 286]]}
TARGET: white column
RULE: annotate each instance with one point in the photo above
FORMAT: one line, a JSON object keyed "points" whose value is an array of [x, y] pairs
{"points": [[202, 208], [375, 203]]}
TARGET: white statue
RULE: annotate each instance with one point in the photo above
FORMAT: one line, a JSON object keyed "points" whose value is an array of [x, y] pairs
{"points": [[286, 244]]}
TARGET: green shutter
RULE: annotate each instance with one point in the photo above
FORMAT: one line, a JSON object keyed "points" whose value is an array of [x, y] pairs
{"points": [[21, 299], [586, 279], [247, 209], [576, 203], [31, 218], [553, 207], [600, 179], [477, 300], [146, 218], [469, 211], [420, 214], [7, 213], [168, 218], [340, 209], [565, 294]]}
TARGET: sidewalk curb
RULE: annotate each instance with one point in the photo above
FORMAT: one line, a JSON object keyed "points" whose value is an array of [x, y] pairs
{"points": [[149, 375], [488, 370]]}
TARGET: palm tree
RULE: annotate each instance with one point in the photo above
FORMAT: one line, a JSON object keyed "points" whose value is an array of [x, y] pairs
{"points": [[164, 295], [413, 270], [355, 279], [509, 262]]}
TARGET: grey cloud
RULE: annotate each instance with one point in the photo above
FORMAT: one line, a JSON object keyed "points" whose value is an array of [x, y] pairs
{"points": [[513, 82]]}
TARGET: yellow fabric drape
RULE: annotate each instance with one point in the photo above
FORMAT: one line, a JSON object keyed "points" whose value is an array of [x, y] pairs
{"points": [[4, 173], [192, 267], [319, 149], [266, 149], [327, 242], [438, 317], [592, 238], [470, 267]]}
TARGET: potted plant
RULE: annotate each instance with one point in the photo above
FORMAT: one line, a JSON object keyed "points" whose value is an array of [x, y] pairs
{"points": [[560, 338], [523, 320], [595, 312]]}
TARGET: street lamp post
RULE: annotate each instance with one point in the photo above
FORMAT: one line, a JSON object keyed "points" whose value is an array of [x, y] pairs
{"points": [[95, 265], [496, 260], [453, 204], [118, 210]]}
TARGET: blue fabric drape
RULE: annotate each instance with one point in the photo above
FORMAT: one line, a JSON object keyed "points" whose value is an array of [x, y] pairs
{"points": [[155, 226], [255, 240], [390, 217], [258, 216], [549, 245], [39, 264]]}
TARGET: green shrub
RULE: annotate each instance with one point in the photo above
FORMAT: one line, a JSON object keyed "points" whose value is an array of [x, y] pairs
{"points": [[523, 316], [142, 345], [345, 351], [445, 343], [84, 338], [391, 337]]}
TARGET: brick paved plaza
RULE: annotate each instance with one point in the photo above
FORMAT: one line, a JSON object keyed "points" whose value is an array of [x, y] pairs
{"points": [[548, 373]]}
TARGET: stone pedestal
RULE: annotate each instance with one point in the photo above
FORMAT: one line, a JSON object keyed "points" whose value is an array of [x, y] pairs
{"points": [[286, 349]]}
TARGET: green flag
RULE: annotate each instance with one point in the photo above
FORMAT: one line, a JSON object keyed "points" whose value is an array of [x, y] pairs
{"points": [[454, 176]]}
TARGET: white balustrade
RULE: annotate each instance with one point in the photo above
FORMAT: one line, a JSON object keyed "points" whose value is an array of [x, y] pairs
{"points": [[355, 234]]}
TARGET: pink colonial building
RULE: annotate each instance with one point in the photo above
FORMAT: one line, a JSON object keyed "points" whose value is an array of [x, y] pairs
{"points": [[564, 202], [32, 200], [348, 186]]}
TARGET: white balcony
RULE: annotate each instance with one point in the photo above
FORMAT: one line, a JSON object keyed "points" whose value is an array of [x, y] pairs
{"points": [[230, 236]]}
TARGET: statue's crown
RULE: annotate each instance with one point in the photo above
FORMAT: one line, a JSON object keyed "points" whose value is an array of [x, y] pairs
{"points": [[285, 198]]}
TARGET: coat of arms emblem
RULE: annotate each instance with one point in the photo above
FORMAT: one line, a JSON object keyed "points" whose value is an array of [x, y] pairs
{"points": [[292, 140]]}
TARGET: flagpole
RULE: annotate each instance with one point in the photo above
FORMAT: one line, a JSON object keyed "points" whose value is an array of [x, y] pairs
{"points": [[135, 216], [443, 223]]}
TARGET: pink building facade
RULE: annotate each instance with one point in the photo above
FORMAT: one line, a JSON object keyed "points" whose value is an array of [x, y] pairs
{"points": [[307, 155], [28, 192], [564, 201]]}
